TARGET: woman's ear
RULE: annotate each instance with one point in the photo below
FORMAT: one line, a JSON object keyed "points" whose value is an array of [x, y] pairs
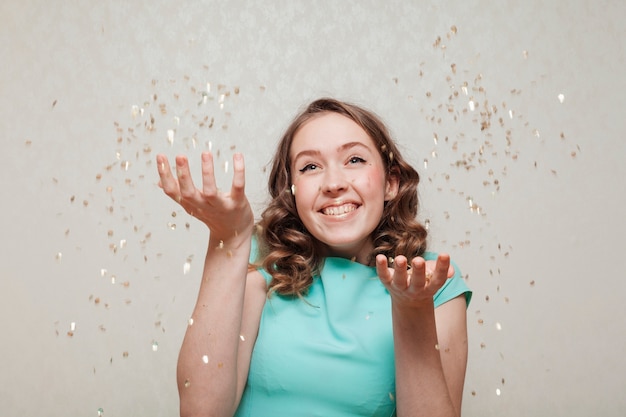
{"points": [[392, 186]]}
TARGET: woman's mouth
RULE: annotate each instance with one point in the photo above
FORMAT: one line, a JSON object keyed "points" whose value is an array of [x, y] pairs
{"points": [[339, 210]]}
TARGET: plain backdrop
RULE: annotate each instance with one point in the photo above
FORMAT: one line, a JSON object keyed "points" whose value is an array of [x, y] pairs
{"points": [[513, 113]]}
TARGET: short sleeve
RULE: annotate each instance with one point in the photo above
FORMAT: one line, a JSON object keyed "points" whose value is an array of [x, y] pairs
{"points": [[453, 287], [254, 251]]}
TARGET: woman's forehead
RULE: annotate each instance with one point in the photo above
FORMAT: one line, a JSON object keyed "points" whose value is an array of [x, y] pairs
{"points": [[329, 130]]}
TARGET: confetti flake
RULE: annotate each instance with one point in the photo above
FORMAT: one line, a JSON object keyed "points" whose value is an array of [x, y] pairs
{"points": [[155, 346], [561, 98], [187, 383], [100, 412], [205, 359]]}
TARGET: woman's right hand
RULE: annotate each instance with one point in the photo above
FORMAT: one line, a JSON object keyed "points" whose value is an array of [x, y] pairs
{"points": [[227, 214]]}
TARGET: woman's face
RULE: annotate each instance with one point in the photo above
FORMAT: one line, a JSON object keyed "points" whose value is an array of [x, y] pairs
{"points": [[339, 184]]}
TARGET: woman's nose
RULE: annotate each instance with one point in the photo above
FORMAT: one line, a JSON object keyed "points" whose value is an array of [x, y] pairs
{"points": [[334, 181]]}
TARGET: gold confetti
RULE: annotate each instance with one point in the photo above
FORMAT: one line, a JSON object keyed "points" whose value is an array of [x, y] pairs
{"points": [[187, 266], [187, 383]]}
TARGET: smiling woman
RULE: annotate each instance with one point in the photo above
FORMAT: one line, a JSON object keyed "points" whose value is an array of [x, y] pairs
{"points": [[341, 185], [319, 298]]}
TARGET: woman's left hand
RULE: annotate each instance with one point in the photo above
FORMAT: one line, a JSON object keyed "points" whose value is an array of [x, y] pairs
{"points": [[414, 286]]}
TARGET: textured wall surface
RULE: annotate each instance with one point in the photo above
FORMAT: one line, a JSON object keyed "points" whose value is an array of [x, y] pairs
{"points": [[513, 112]]}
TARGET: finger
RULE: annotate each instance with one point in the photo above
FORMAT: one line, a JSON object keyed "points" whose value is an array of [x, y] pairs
{"points": [[209, 187], [166, 180], [239, 177], [401, 277], [187, 189], [382, 269], [419, 277], [451, 270], [443, 267]]}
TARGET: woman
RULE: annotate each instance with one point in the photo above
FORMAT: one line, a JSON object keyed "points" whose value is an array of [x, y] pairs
{"points": [[342, 312]]}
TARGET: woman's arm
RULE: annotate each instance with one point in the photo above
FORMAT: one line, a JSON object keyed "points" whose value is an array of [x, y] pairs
{"points": [[430, 344], [214, 357]]}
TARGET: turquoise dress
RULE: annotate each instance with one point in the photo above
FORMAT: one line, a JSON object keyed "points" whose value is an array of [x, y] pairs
{"points": [[329, 354]]}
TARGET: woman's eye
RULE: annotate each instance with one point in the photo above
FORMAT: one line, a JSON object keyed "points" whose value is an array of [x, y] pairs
{"points": [[356, 160], [308, 167]]}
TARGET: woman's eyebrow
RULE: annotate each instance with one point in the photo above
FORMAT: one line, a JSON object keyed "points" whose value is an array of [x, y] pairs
{"points": [[345, 146], [350, 145]]}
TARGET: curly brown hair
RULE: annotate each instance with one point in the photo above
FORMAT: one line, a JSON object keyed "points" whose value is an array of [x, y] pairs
{"points": [[289, 252]]}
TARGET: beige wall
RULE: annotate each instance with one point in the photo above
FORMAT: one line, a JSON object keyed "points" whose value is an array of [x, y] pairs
{"points": [[542, 248]]}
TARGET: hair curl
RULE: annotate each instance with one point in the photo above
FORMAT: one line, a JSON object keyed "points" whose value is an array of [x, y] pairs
{"points": [[289, 252]]}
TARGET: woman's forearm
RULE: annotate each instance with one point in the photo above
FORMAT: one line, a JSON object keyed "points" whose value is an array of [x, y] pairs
{"points": [[207, 364], [421, 387]]}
